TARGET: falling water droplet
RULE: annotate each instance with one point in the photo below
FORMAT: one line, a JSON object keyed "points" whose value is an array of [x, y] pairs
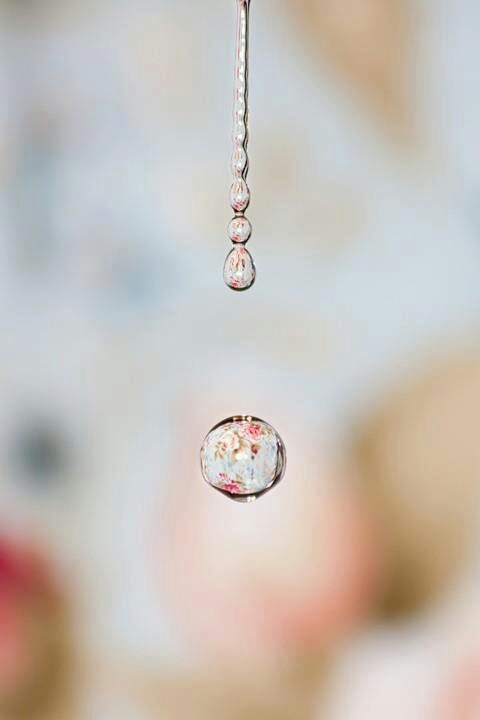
{"points": [[239, 270], [243, 457], [239, 229]]}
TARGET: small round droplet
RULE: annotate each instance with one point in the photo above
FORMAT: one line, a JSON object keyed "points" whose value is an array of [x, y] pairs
{"points": [[239, 195], [239, 270], [243, 457], [239, 229], [239, 160]]}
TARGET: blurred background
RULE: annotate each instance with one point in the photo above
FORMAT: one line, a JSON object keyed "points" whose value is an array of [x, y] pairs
{"points": [[128, 589]]}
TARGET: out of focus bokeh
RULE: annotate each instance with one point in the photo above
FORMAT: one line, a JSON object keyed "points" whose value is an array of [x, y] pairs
{"points": [[129, 590]]}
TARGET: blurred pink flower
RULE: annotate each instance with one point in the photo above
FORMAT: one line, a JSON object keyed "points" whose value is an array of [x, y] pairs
{"points": [[462, 699], [27, 596], [13, 647]]}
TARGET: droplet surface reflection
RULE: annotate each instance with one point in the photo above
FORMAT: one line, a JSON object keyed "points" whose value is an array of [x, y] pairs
{"points": [[243, 457]]}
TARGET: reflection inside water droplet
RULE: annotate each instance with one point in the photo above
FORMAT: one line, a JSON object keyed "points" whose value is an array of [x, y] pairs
{"points": [[239, 195], [239, 270], [243, 457], [239, 229]]}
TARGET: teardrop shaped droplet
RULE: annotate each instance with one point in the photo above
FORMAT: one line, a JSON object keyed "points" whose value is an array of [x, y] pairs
{"points": [[239, 195], [243, 457], [239, 270]]}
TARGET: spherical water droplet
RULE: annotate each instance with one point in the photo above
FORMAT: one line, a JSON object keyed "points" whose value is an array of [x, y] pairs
{"points": [[243, 457], [239, 195], [239, 229], [239, 270]]}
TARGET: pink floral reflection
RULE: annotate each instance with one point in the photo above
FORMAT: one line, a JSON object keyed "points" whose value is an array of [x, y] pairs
{"points": [[254, 431], [229, 484]]}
